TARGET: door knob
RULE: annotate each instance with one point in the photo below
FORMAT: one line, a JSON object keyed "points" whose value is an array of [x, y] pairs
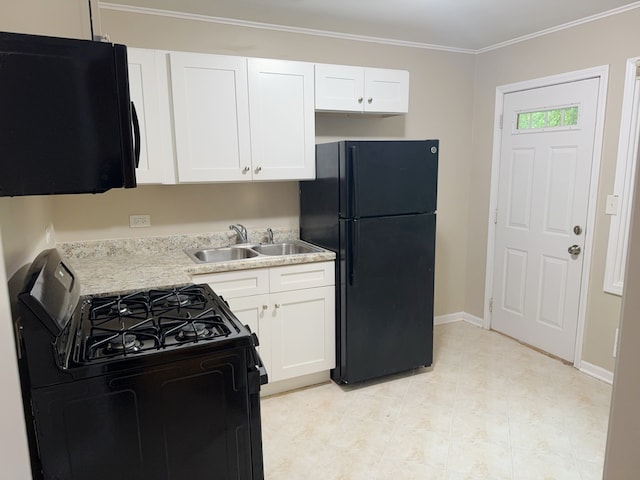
{"points": [[360, 99], [577, 229], [574, 250], [370, 100], [264, 307], [245, 169], [258, 169]]}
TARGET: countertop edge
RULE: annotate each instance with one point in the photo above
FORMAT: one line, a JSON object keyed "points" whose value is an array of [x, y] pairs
{"points": [[101, 274]]}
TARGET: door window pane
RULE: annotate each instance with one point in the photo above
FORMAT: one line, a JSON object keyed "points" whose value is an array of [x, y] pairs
{"points": [[524, 120], [555, 118], [551, 118], [571, 116]]}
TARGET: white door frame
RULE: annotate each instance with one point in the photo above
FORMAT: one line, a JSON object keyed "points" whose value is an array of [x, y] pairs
{"points": [[601, 72]]}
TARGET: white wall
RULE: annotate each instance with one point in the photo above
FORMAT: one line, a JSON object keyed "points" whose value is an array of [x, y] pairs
{"points": [[14, 452]]}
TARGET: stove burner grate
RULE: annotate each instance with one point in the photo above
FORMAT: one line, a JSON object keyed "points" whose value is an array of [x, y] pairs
{"points": [[126, 342], [179, 300], [152, 321], [194, 330]]}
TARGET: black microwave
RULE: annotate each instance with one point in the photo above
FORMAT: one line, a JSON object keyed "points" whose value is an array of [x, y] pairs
{"points": [[67, 124]]}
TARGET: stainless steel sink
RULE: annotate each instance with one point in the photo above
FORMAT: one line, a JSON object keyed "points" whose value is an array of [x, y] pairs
{"points": [[246, 251], [211, 255], [285, 248]]}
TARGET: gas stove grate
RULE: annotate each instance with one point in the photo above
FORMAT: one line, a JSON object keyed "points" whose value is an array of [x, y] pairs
{"points": [[126, 325]]}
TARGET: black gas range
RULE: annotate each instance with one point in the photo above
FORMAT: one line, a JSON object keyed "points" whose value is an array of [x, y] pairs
{"points": [[154, 384]]}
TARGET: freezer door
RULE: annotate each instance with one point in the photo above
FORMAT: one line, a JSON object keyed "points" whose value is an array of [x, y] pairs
{"points": [[385, 318], [388, 178]]}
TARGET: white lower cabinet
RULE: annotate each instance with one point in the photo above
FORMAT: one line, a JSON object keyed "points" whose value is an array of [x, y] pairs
{"points": [[302, 332], [291, 309], [251, 311]]}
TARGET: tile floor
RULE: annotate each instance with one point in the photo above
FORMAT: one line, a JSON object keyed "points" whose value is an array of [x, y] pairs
{"points": [[489, 409]]}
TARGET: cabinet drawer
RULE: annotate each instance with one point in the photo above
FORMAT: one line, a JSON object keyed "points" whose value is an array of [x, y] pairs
{"points": [[240, 283], [297, 277]]}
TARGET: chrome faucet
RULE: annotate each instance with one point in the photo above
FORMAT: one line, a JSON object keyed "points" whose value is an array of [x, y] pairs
{"points": [[241, 231], [269, 235]]}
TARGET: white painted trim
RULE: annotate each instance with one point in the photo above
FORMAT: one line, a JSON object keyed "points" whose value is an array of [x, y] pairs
{"points": [[360, 38], [281, 28], [624, 182], [458, 317], [601, 72], [596, 372], [473, 320], [561, 27], [448, 318]]}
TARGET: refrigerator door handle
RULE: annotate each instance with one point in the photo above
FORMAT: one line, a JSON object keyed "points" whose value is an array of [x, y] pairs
{"points": [[354, 240], [354, 181]]}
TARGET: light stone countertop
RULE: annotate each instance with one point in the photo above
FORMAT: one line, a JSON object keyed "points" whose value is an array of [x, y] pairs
{"points": [[113, 267]]}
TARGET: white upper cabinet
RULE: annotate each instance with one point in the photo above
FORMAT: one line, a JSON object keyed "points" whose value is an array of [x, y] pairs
{"points": [[282, 120], [238, 119], [211, 117], [361, 89], [149, 91]]}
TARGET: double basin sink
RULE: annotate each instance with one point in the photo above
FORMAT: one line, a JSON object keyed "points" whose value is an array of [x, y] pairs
{"points": [[246, 251]]}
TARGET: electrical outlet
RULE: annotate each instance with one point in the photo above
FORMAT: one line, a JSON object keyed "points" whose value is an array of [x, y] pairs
{"points": [[137, 221]]}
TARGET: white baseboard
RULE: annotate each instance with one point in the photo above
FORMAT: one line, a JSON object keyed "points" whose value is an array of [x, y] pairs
{"points": [[596, 372], [458, 317], [448, 318], [472, 319]]}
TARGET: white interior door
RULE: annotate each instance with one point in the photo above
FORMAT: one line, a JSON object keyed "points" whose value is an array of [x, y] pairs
{"points": [[543, 193]]}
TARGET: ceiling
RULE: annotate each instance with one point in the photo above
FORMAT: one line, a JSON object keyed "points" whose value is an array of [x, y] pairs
{"points": [[472, 25]]}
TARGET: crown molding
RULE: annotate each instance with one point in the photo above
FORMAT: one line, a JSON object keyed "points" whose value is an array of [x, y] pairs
{"points": [[280, 28], [558, 28], [360, 38]]}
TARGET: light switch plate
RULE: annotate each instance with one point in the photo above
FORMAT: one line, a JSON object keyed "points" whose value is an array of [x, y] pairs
{"points": [[137, 221], [612, 205]]}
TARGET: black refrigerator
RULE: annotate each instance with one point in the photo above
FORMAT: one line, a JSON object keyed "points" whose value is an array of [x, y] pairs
{"points": [[374, 204]]}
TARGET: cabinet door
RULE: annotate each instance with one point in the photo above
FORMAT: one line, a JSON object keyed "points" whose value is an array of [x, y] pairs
{"points": [[253, 311], [148, 85], [211, 117], [282, 120], [303, 332], [339, 87], [386, 91]]}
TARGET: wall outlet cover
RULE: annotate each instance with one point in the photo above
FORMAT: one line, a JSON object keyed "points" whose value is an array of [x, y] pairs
{"points": [[612, 205], [138, 221]]}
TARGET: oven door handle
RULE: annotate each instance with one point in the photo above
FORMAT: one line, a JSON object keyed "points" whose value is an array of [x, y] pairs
{"points": [[257, 368]]}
